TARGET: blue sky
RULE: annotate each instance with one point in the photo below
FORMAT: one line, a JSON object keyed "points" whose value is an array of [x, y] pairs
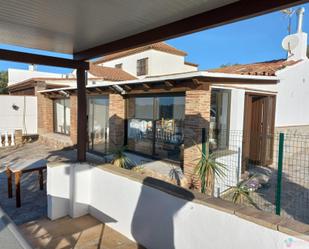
{"points": [[251, 40]]}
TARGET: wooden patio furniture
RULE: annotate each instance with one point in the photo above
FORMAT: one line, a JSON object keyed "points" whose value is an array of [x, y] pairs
{"points": [[17, 170]]}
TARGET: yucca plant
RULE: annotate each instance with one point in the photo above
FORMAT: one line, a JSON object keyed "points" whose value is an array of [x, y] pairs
{"points": [[121, 159], [241, 193], [207, 169]]}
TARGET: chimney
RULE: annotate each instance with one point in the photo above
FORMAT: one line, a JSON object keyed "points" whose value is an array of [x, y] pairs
{"points": [[296, 44], [300, 14]]}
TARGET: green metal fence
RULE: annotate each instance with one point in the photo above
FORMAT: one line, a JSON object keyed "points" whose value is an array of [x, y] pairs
{"points": [[280, 187]]}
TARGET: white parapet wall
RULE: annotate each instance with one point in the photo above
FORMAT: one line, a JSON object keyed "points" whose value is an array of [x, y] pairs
{"points": [[18, 112], [145, 210]]}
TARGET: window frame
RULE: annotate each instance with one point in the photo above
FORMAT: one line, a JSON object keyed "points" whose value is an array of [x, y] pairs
{"points": [[64, 116], [217, 131], [154, 119], [119, 65], [142, 69]]}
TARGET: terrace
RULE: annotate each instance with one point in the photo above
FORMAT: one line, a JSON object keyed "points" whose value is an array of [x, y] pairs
{"points": [[150, 212]]}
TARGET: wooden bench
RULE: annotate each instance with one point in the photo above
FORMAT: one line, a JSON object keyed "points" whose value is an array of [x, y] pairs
{"points": [[16, 170]]}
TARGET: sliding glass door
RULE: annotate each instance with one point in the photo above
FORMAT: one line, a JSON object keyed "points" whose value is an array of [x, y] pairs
{"points": [[220, 119], [155, 126], [98, 124], [62, 119]]}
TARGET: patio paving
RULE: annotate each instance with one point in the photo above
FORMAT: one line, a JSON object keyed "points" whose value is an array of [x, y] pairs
{"points": [[81, 233], [34, 200]]}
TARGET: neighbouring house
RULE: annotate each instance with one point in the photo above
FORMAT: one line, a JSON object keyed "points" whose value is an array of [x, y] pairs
{"points": [[157, 104]]}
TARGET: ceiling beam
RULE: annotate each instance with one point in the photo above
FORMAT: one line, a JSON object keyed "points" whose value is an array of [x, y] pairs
{"points": [[168, 84], [146, 86], [9, 55], [239, 10], [126, 87]]}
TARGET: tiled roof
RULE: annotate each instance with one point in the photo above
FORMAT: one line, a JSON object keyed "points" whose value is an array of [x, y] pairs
{"points": [[110, 73], [160, 46], [261, 68], [191, 64]]}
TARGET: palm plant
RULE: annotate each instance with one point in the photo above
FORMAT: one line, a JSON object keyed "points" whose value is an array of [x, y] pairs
{"points": [[175, 174], [207, 169], [241, 193], [121, 159]]}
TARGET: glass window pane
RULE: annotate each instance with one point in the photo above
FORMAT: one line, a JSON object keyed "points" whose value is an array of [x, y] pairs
{"points": [[98, 123], [220, 117], [59, 116], [179, 108], [144, 108], [67, 116], [140, 136], [165, 107], [169, 127]]}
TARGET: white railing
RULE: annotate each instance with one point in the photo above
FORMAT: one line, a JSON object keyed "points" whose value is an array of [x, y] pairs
{"points": [[7, 138]]}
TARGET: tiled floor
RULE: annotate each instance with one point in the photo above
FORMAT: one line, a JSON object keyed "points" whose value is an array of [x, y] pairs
{"points": [[81, 233], [34, 201]]}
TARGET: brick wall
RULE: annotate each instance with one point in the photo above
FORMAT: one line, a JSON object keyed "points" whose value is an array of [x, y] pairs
{"points": [[73, 116], [116, 120], [45, 114], [197, 116]]}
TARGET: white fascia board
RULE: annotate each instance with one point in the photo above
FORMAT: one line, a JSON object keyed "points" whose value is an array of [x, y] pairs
{"points": [[190, 75], [58, 89], [179, 76]]}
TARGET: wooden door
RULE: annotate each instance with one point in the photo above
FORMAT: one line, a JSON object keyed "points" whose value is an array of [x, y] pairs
{"points": [[258, 137], [268, 126], [256, 134]]}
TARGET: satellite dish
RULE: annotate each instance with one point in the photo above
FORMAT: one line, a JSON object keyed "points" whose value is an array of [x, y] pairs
{"points": [[290, 42]]}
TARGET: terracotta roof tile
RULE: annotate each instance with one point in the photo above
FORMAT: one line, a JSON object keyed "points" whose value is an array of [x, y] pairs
{"points": [[110, 73], [160, 46], [260, 68], [191, 64]]}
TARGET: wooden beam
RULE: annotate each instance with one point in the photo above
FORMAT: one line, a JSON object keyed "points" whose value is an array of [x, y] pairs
{"points": [[196, 82], [81, 115], [9, 55], [236, 11], [146, 86], [99, 90], [127, 88], [112, 89], [168, 84]]}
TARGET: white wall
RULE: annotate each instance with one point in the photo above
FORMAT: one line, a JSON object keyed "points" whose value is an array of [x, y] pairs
{"points": [[152, 217], [233, 161], [293, 95], [159, 63], [18, 75], [14, 119]]}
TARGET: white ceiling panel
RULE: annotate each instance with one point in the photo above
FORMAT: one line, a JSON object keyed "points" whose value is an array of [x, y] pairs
{"points": [[69, 26]]}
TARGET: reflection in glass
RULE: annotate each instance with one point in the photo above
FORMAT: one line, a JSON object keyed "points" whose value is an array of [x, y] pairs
{"points": [[98, 124], [169, 127], [219, 118], [62, 118], [155, 126]]}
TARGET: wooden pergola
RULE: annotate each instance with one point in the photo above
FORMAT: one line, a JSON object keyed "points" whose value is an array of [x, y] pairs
{"points": [[80, 28]]}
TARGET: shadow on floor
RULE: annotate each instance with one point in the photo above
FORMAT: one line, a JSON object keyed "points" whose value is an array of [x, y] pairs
{"points": [[85, 232]]}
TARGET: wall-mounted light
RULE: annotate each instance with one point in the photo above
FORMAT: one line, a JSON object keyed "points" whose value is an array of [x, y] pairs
{"points": [[15, 107]]}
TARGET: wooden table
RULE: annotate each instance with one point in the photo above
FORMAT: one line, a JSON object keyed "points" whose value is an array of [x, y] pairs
{"points": [[20, 168]]}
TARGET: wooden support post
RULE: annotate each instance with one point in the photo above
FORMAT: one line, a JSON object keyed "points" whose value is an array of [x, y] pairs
{"points": [[9, 176], [17, 188], [82, 115]]}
